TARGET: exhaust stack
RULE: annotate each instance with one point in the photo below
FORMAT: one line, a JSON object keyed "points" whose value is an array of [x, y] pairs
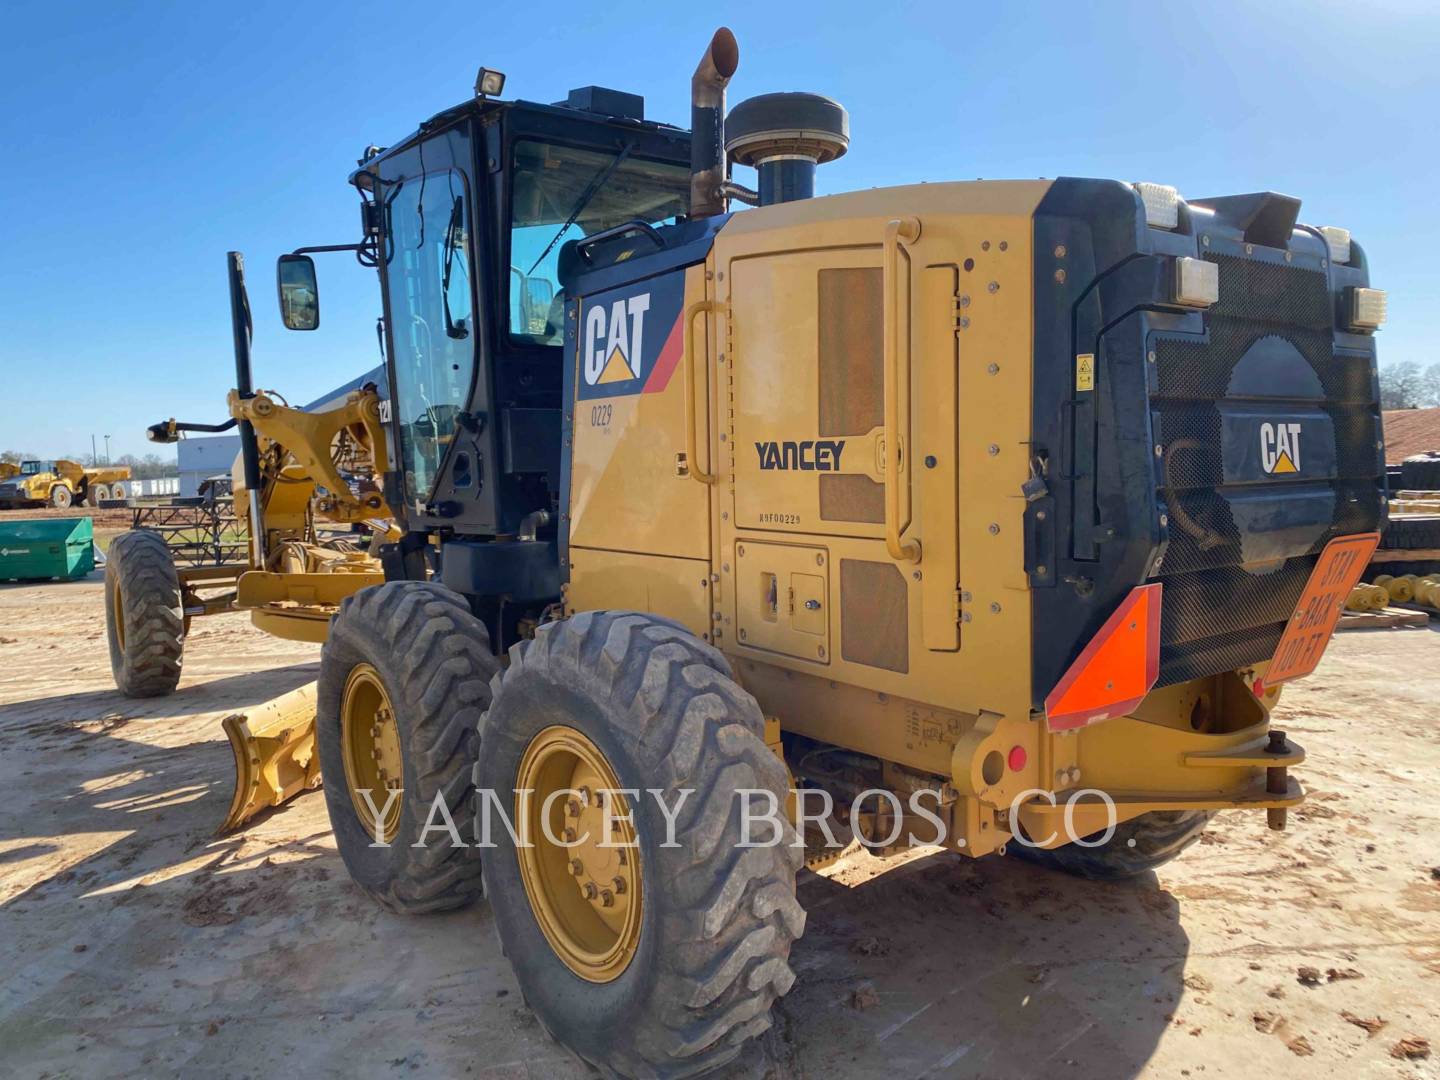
{"points": [[707, 123]]}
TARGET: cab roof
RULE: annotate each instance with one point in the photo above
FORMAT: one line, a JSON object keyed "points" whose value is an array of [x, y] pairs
{"points": [[598, 103]]}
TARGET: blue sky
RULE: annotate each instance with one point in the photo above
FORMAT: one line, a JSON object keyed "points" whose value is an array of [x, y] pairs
{"points": [[142, 141]]}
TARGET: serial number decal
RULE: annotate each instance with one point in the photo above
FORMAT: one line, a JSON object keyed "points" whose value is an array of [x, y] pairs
{"points": [[600, 415], [780, 519]]}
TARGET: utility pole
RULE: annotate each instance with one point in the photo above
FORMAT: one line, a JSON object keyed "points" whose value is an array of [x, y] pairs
{"points": [[107, 449], [94, 457]]}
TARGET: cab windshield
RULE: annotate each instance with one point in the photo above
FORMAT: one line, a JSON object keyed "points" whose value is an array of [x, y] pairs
{"points": [[561, 194], [35, 468]]}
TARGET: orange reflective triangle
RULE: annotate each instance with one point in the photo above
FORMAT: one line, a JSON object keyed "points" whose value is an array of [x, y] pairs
{"points": [[1284, 464], [1115, 670], [617, 368]]}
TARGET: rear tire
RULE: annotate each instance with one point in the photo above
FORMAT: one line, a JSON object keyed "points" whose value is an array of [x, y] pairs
{"points": [[716, 921], [1412, 532], [1139, 845], [117, 490], [144, 615], [433, 658], [61, 497], [1421, 472]]}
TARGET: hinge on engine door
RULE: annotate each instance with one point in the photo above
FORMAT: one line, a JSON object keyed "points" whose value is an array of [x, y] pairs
{"points": [[728, 363]]}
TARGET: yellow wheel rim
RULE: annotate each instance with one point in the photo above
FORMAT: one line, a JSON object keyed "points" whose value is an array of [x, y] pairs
{"points": [[370, 741], [587, 896]]}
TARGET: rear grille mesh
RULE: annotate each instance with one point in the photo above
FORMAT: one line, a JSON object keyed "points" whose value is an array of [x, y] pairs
{"points": [[1218, 615]]}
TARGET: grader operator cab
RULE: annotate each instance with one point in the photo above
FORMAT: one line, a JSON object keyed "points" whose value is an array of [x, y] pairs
{"points": [[987, 514]]}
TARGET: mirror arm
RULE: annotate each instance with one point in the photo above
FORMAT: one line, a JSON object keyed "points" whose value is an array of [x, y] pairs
{"points": [[331, 247], [365, 250], [168, 431]]}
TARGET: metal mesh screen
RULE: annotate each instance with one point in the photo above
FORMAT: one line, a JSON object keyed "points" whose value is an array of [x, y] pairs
{"points": [[1219, 614]]}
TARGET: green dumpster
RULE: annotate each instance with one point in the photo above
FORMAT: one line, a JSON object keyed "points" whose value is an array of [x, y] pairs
{"points": [[41, 548]]}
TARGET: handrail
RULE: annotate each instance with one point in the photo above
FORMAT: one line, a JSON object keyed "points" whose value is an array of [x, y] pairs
{"points": [[644, 228], [898, 231], [692, 459]]}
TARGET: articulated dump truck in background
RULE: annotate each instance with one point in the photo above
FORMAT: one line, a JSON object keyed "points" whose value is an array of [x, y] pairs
{"points": [[993, 515], [60, 484]]}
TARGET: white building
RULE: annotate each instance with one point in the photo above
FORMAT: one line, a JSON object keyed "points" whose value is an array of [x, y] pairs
{"points": [[204, 457]]}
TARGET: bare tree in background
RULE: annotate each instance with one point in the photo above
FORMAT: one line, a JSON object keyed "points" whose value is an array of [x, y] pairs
{"points": [[149, 467], [1407, 385]]}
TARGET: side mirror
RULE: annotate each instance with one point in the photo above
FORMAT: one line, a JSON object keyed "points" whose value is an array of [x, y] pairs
{"points": [[299, 293]]}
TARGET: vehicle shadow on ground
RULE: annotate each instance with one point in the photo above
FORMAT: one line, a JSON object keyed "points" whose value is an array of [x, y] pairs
{"points": [[95, 576], [78, 765], [230, 693], [951, 967], [180, 953]]}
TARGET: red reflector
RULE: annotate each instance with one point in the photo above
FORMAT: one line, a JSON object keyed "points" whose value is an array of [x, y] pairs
{"points": [[1116, 670], [1018, 758]]}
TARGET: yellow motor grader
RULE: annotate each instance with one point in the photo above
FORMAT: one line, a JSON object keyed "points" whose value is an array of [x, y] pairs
{"points": [[300, 475], [991, 515]]}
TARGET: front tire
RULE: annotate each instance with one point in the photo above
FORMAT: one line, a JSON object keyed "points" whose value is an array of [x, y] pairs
{"points": [[1139, 845], [404, 677], [144, 615], [60, 497], [680, 988]]}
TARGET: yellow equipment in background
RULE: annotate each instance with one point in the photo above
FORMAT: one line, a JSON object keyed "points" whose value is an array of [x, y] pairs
{"points": [[1368, 598], [1405, 589], [60, 484]]}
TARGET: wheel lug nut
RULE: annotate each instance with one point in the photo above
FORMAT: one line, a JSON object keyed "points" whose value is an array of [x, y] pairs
{"points": [[584, 796], [619, 885], [569, 836], [590, 890], [573, 808], [607, 898], [577, 867]]}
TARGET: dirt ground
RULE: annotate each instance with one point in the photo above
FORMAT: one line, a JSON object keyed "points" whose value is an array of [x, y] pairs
{"points": [[134, 943]]}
